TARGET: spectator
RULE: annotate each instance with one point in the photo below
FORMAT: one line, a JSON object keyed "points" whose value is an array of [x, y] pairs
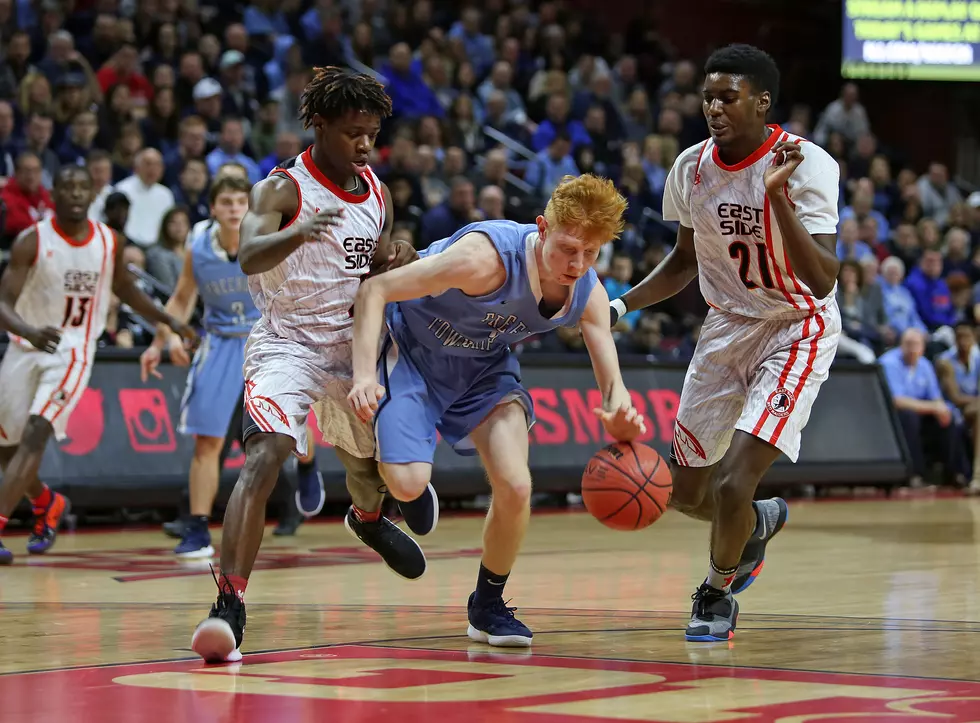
{"points": [[501, 79], [116, 213], [931, 294], [264, 133], [845, 116], [900, 307], [80, 142], [556, 122], [122, 68], [100, 168], [448, 217], [617, 284], [961, 296], [231, 150], [551, 165], [287, 146], [191, 191], [207, 105], [9, 145], [849, 246], [165, 258], [925, 417], [479, 47], [26, 199], [957, 369], [937, 194], [192, 144], [150, 200], [491, 203], [861, 209], [410, 96], [862, 311], [40, 129]]}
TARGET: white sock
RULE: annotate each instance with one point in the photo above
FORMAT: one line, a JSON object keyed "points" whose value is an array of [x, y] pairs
{"points": [[720, 579]]}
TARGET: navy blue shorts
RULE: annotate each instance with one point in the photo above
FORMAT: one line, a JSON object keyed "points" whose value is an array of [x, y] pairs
{"points": [[429, 391]]}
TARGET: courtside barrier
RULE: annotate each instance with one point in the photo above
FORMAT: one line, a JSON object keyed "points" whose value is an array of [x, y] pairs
{"points": [[124, 449]]}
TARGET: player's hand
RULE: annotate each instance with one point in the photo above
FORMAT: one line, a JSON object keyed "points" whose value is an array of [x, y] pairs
{"points": [[624, 424], [402, 253], [149, 361], [322, 223], [364, 397], [178, 352], [187, 333], [45, 339], [787, 159]]}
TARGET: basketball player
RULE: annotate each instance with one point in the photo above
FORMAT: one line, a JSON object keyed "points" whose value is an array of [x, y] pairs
{"points": [[757, 209], [446, 364], [54, 299], [314, 228]]}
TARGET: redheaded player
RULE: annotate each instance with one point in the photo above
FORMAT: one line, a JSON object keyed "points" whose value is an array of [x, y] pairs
{"points": [[757, 209]]}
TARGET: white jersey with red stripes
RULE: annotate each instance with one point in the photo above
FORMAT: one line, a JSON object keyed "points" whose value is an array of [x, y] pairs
{"points": [[743, 265], [69, 287], [307, 298]]}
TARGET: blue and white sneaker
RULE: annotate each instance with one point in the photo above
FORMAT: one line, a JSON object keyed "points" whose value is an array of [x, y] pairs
{"points": [[310, 494], [6, 556], [774, 514], [713, 617], [492, 622], [422, 514], [196, 542]]}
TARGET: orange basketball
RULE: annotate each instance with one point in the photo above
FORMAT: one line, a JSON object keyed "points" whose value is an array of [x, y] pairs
{"points": [[626, 486]]}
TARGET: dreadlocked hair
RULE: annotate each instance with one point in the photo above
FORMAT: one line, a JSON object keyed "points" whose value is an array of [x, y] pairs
{"points": [[335, 91]]}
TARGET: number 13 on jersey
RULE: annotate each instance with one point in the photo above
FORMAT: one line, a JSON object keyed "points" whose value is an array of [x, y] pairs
{"points": [[76, 311]]}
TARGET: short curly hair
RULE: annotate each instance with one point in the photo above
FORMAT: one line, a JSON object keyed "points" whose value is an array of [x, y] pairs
{"points": [[335, 91], [752, 63], [589, 204]]}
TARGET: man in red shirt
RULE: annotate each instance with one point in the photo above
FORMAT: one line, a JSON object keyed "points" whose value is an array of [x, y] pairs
{"points": [[27, 201], [123, 67]]}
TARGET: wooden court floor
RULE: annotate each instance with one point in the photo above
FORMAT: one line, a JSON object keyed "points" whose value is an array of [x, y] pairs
{"points": [[866, 612]]}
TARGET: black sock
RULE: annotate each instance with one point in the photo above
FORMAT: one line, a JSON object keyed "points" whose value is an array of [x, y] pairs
{"points": [[304, 467], [199, 521], [490, 585]]}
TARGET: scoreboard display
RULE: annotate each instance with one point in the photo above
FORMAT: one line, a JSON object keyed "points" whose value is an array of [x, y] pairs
{"points": [[911, 39]]}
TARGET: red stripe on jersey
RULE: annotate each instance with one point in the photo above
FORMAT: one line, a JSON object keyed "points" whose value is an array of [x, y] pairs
{"points": [[767, 225], [377, 194], [328, 184], [811, 357]]}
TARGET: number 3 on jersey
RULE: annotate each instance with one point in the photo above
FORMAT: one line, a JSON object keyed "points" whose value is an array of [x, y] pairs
{"points": [[76, 311], [740, 251]]}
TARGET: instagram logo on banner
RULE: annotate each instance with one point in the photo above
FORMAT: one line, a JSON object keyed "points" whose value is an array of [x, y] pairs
{"points": [[148, 420]]}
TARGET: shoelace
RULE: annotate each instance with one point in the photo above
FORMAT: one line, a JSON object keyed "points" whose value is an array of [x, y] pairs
{"points": [[499, 607], [704, 596], [223, 589]]}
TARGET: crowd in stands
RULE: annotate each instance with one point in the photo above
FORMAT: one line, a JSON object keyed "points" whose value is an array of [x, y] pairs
{"points": [[493, 103]]}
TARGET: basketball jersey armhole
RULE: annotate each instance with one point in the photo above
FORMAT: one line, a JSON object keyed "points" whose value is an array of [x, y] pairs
{"points": [[299, 195]]}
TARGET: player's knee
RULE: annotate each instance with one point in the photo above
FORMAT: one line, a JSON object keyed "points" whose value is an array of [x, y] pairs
{"points": [[689, 485], [264, 455], [733, 490], [406, 482], [36, 434], [206, 448], [513, 496]]}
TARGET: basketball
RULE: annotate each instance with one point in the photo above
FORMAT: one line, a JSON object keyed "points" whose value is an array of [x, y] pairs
{"points": [[626, 486]]}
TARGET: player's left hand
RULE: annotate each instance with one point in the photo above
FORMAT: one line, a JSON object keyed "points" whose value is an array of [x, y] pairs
{"points": [[401, 253], [788, 157], [186, 333], [624, 424], [364, 397]]}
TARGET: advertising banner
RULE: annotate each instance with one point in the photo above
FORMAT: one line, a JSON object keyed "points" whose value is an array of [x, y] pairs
{"points": [[124, 434]]}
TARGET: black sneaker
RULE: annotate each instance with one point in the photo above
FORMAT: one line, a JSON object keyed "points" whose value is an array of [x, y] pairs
{"points": [[400, 553], [492, 622], [713, 615], [422, 514], [219, 638]]}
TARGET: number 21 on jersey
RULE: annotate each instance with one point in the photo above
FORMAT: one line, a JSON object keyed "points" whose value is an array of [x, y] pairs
{"points": [[743, 253], [76, 311]]}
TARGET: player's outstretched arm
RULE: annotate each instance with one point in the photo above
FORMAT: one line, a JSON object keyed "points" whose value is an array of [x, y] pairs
{"points": [[180, 306], [262, 245], [617, 413], [471, 264], [124, 286], [812, 256], [23, 254], [669, 278], [391, 254]]}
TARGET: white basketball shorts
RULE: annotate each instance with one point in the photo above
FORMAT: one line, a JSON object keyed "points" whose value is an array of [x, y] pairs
{"points": [[760, 376]]}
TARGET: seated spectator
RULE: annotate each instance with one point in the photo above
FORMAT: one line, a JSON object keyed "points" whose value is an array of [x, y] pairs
{"points": [[551, 165], [926, 419], [937, 194], [287, 146], [961, 297], [617, 284], [849, 246], [862, 314], [931, 294], [900, 309], [957, 369], [149, 198], [861, 209], [448, 217], [191, 191], [117, 214], [165, 258], [557, 121], [904, 244], [491, 203], [100, 168], [956, 252], [231, 144], [410, 96], [80, 141], [26, 199], [845, 116]]}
